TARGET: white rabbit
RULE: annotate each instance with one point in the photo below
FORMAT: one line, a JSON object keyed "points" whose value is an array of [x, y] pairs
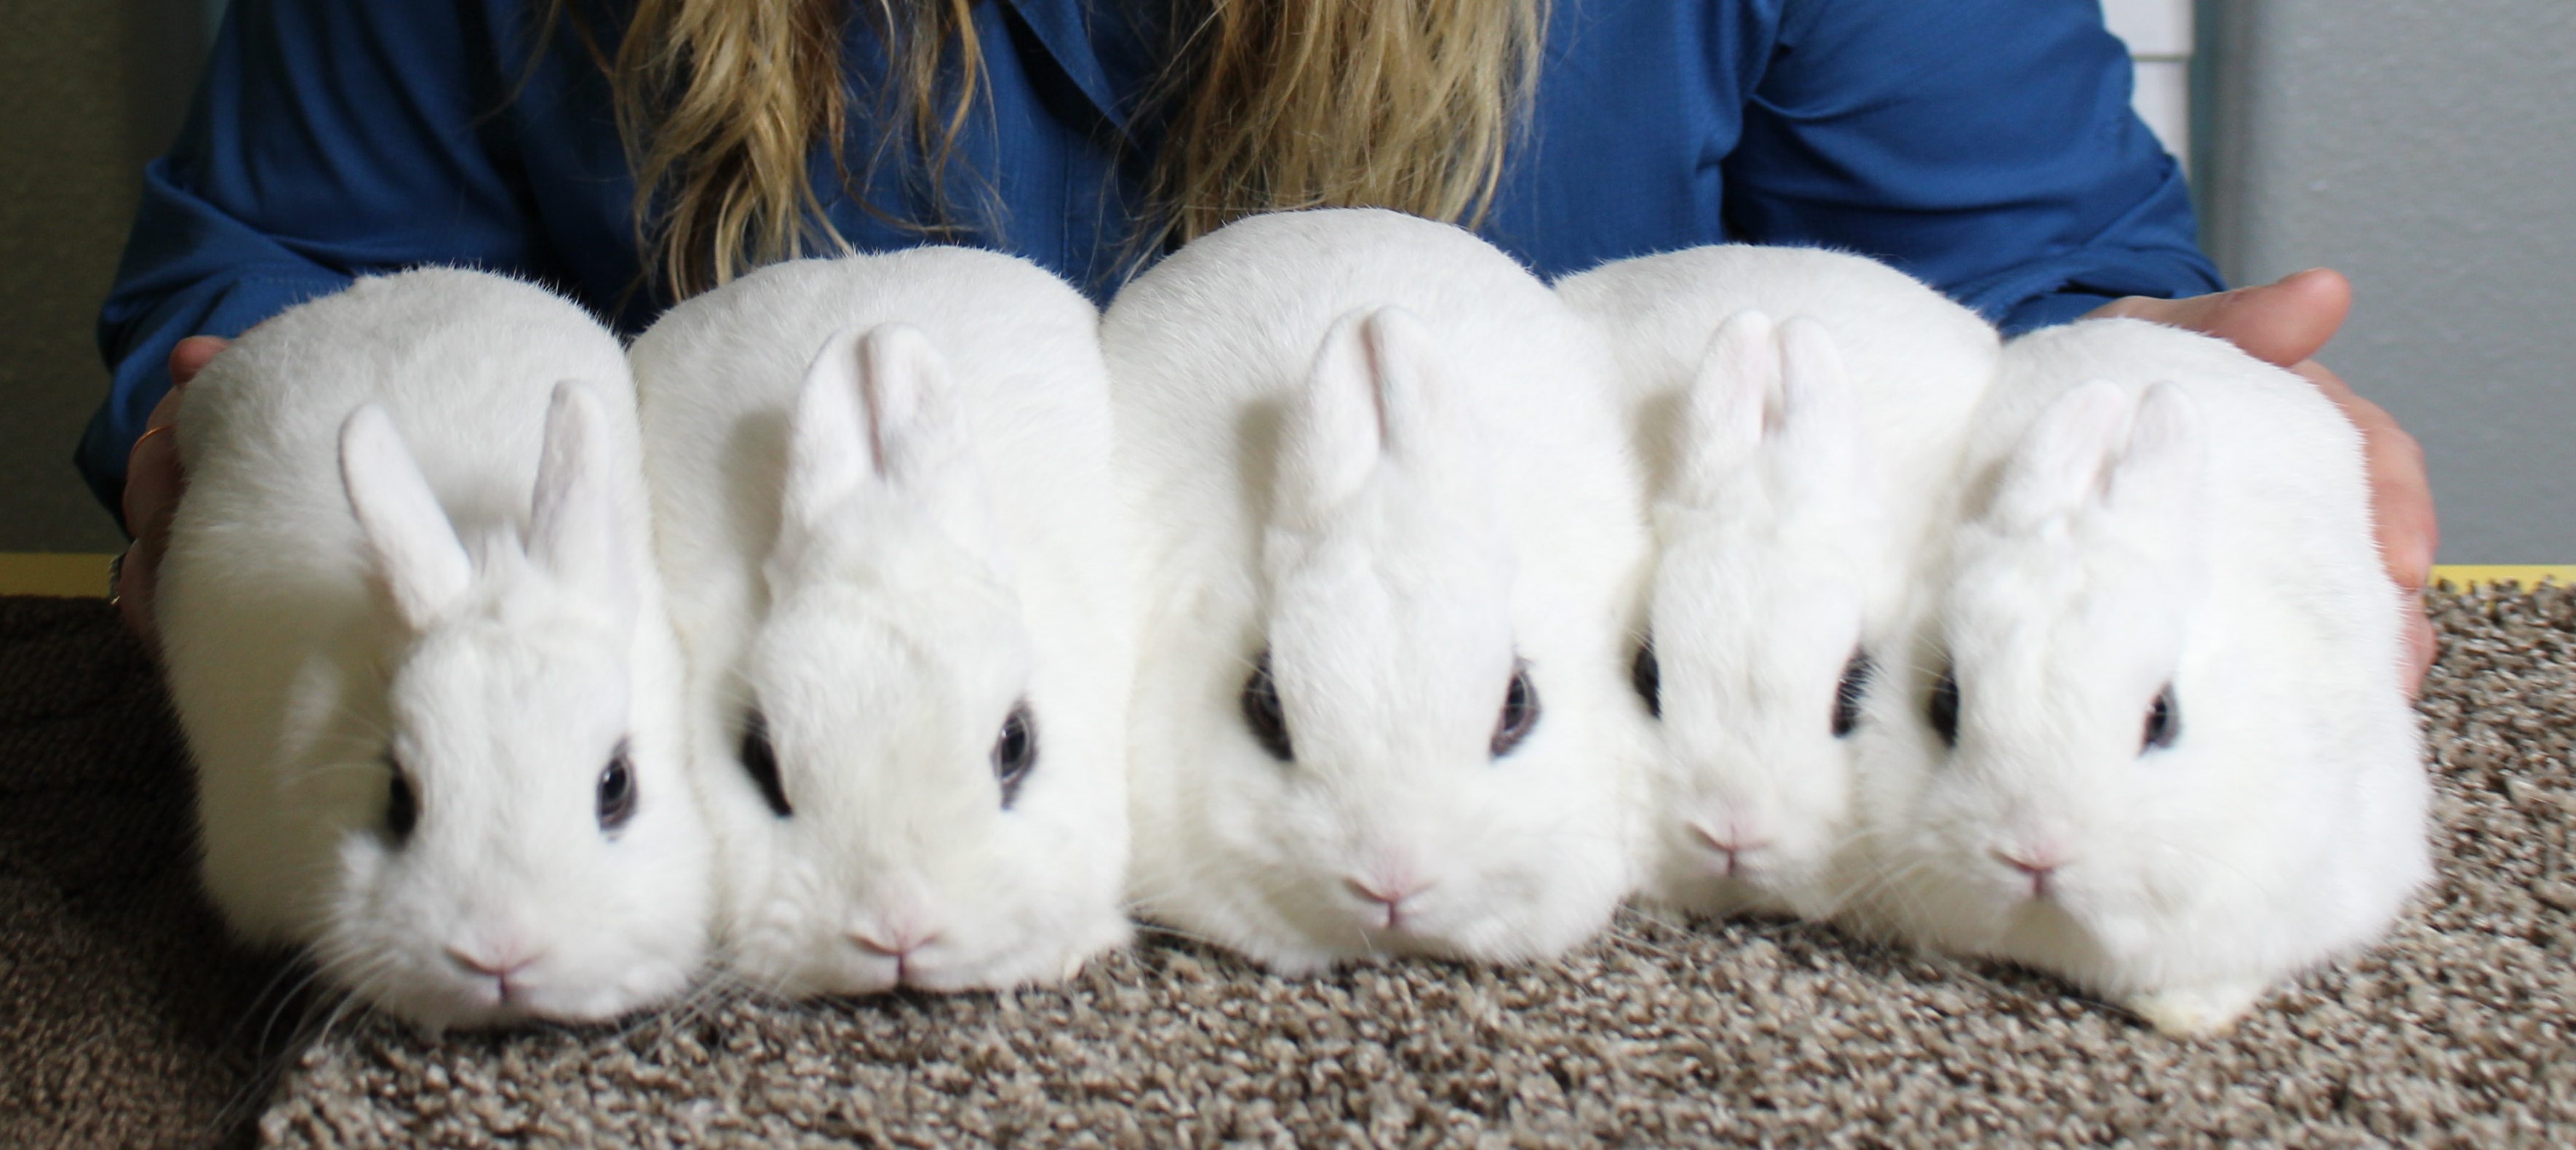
{"points": [[434, 719], [898, 567], [1391, 555], [1797, 477], [2153, 737]]}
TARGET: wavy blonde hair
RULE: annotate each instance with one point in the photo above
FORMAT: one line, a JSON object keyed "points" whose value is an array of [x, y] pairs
{"points": [[1267, 104]]}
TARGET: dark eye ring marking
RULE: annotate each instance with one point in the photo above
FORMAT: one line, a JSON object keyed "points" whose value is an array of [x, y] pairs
{"points": [[1647, 676], [1943, 710], [617, 790], [402, 807], [1262, 713], [1848, 692], [760, 761], [1520, 712], [2164, 721], [1015, 752]]}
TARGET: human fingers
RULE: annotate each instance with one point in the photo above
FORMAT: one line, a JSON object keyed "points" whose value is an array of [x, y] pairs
{"points": [[153, 483], [2282, 323]]}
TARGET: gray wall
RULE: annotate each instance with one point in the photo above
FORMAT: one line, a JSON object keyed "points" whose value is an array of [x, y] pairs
{"points": [[2428, 150], [88, 90]]}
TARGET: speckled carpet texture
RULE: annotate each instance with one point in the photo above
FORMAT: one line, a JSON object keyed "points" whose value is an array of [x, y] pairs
{"points": [[125, 1023]]}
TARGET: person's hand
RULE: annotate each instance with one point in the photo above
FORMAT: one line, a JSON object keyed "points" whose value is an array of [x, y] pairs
{"points": [[2286, 323], [152, 486]]}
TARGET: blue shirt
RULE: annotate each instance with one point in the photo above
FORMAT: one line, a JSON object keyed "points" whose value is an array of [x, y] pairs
{"points": [[1987, 146]]}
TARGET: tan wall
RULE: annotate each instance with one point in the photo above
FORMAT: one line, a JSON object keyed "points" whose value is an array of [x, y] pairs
{"points": [[88, 89]]}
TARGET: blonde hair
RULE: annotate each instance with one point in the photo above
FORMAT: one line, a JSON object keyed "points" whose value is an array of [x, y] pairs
{"points": [[1269, 104], [1404, 104]]}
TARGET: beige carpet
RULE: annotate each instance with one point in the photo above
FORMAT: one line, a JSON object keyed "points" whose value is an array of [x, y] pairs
{"points": [[125, 1020], [2460, 1031]]}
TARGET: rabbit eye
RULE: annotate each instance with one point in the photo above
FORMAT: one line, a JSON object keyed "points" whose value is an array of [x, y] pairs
{"points": [[760, 760], [1647, 676], [402, 808], [1847, 694], [617, 790], [1520, 713], [1261, 711], [2164, 721], [1015, 752], [1944, 709]]}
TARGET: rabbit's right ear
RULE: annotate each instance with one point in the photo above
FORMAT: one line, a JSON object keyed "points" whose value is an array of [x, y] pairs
{"points": [[416, 551], [2058, 466], [1726, 407], [828, 450]]}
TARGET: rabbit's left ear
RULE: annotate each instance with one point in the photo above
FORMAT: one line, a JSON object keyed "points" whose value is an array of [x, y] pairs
{"points": [[1727, 407], [575, 526]]}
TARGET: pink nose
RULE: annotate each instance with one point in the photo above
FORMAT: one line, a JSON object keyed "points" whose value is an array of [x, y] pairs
{"points": [[2039, 864], [497, 963], [1388, 893], [894, 943], [1732, 842]]}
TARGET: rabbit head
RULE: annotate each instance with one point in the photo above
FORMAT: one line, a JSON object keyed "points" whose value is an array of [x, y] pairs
{"points": [[915, 804], [1773, 552], [536, 850]]}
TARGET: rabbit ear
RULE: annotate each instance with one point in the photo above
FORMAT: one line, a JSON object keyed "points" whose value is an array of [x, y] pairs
{"points": [[921, 444], [829, 450], [918, 437], [1336, 430], [1817, 448], [1727, 406], [1378, 393], [2057, 467], [2160, 472], [876, 409], [416, 551], [1412, 389], [574, 525], [878, 418]]}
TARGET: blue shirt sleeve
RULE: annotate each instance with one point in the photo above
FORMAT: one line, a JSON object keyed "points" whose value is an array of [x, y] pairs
{"points": [[1987, 146], [327, 138]]}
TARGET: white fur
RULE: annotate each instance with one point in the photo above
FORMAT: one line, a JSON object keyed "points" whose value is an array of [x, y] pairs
{"points": [[2151, 506], [1381, 450], [1798, 470], [389, 437], [888, 519]]}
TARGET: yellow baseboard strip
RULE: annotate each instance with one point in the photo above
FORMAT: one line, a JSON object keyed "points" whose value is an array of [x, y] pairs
{"points": [[67, 576], [2467, 575], [85, 576]]}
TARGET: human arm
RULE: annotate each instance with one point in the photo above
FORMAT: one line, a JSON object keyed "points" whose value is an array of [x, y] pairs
{"points": [[1987, 146], [326, 140], [152, 488]]}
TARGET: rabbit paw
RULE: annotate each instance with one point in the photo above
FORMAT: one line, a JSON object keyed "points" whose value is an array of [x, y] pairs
{"points": [[2195, 1012]]}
